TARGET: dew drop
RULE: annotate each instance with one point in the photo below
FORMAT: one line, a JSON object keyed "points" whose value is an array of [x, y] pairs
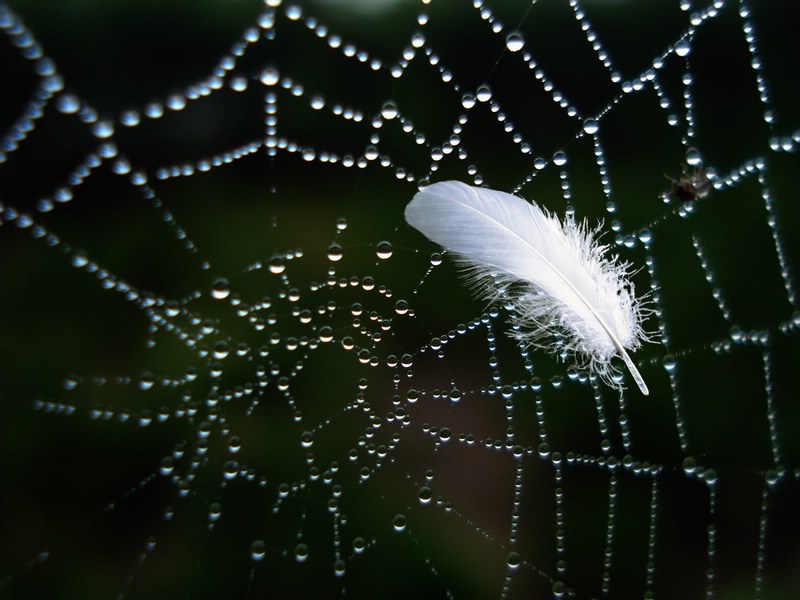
{"points": [[258, 550], [294, 12], [221, 289], [277, 265], [339, 567], [399, 522], [334, 252], [693, 157], [270, 76], [68, 104], [514, 42], [544, 450], [221, 350], [484, 93], [710, 476], [384, 250], [425, 495], [389, 110], [772, 477], [307, 439], [591, 126], [559, 159], [317, 102], [130, 118], [513, 560], [103, 129], [301, 552], [238, 84], [167, 465]]}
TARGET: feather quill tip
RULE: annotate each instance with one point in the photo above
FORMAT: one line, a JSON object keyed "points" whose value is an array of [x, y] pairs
{"points": [[567, 294]]}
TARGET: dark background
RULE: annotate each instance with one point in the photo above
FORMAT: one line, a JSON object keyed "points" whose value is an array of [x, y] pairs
{"points": [[82, 496]]}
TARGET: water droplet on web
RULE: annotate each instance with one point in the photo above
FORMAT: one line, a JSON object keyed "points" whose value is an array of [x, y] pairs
{"points": [[559, 159], [710, 476], [514, 42], [591, 126], [772, 477], [294, 12], [172, 308], [384, 250], [682, 48], [689, 465], [359, 545], [484, 93], [270, 76], [147, 382], [669, 363], [339, 567], [544, 450], [221, 350], [167, 465], [436, 259], [389, 110], [258, 550], [401, 307], [221, 289], [335, 253], [468, 101], [301, 552], [513, 560], [693, 157], [317, 102], [230, 470], [399, 522], [238, 84], [103, 129], [277, 265], [130, 118], [215, 512], [68, 104], [425, 495]]}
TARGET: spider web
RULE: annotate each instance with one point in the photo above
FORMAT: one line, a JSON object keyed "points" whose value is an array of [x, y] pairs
{"points": [[229, 368]]}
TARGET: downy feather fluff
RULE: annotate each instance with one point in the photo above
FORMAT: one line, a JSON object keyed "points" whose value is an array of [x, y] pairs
{"points": [[567, 295]]}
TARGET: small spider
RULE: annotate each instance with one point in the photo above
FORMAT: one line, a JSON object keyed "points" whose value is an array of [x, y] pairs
{"points": [[691, 185]]}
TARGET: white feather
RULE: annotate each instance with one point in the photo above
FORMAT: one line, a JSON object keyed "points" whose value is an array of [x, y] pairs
{"points": [[567, 295]]}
